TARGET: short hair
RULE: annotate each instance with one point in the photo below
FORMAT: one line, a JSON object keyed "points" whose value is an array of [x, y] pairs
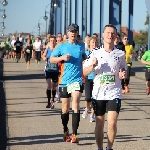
{"points": [[95, 34], [92, 38], [111, 26], [59, 33], [87, 35], [124, 36], [52, 36]]}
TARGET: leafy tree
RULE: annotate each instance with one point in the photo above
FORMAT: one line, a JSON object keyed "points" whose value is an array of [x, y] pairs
{"points": [[142, 38], [147, 19]]}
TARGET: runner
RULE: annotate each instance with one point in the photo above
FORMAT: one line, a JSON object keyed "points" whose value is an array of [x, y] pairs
{"points": [[91, 44], [51, 72], [129, 55], [7, 48], [28, 53], [86, 39], [13, 48], [106, 62], [146, 60], [70, 53], [37, 48], [120, 46], [18, 46], [33, 52], [8, 42]]}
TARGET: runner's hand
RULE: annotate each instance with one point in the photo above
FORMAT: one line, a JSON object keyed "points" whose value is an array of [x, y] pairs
{"points": [[94, 62], [44, 58], [66, 57], [122, 74], [147, 63]]}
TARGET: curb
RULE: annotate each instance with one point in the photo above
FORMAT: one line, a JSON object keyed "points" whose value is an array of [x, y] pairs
{"points": [[3, 112]]}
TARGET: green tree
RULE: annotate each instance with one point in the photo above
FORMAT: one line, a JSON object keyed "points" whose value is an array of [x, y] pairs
{"points": [[147, 19], [142, 38]]}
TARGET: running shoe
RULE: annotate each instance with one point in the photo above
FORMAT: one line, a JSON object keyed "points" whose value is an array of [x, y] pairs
{"points": [[123, 91], [109, 148], [28, 68], [74, 139], [48, 105], [92, 118], [85, 113], [147, 91], [127, 90], [52, 105], [66, 137]]}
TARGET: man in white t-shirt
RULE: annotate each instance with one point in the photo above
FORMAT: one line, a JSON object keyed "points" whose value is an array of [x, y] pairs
{"points": [[109, 66], [13, 47], [37, 48]]}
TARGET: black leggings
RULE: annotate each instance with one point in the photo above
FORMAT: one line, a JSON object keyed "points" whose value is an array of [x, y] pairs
{"points": [[127, 79], [88, 87], [27, 57], [38, 55]]}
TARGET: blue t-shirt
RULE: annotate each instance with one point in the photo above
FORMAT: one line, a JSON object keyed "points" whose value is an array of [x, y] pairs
{"points": [[50, 67], [71, 70], [91, 75]]}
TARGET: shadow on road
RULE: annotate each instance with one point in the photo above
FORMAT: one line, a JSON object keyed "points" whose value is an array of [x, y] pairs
{"points": [[137, 69], [25, 77], [3, 132]]}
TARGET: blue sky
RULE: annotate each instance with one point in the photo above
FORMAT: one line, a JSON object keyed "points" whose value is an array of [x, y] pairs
{"points": [[23, 15]]}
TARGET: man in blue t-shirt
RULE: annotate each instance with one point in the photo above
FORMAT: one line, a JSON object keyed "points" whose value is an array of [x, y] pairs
{"points": [[70, 54], [51, 72]]}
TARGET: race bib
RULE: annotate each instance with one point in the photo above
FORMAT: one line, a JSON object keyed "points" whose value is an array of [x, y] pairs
{"points": [[28, 51], [73, 87], [107, 79], [18, 44], [52, 66]]}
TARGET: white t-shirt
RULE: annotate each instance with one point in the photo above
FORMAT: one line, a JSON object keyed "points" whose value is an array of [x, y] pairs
{"points": [[13, 42], [107, 85], [20, 39], [37, 46]]}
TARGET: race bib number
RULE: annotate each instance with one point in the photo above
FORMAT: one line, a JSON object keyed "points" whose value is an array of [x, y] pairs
{"points": [[18, 44], [73, 87], [28, 51], [52, 66], [107, 79]]}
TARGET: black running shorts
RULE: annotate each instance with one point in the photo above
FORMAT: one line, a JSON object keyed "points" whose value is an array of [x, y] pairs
{"points": [[147, 74], [52, 75], [88, 86], [64, 94], [101, 106]]}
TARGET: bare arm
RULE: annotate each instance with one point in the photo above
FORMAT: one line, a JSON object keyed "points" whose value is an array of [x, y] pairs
{"points": [[88, 70], [56, 60], [145, 62], [44, 55]]}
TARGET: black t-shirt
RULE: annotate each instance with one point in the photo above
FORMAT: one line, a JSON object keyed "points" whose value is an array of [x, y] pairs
{"points": [[30, 41], [120, 46], [18, 45], [30, 48]]}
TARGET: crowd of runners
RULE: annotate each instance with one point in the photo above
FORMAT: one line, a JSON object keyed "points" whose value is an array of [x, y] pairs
{"points": [[101, 69]]}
